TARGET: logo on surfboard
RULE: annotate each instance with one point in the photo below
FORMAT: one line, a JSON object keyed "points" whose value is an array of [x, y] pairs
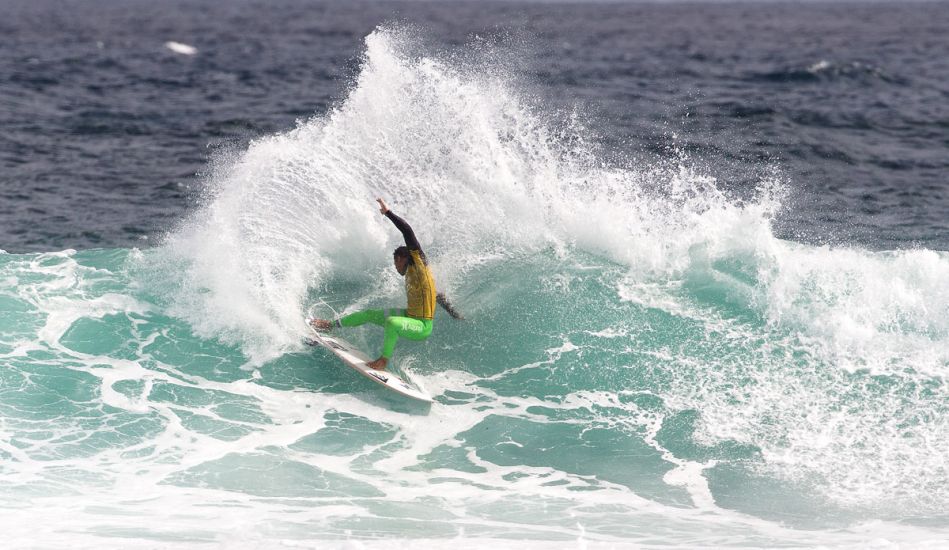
{"points": [[384, 378]]}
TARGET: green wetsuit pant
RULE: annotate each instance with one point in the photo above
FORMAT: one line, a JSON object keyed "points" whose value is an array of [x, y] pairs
{"points": [[395, 323]]}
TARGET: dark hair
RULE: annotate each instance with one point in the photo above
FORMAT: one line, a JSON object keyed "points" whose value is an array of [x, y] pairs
{"points": [[402, 252]]}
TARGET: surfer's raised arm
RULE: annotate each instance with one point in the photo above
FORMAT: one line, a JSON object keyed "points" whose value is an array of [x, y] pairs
{"points": [[410, 241]]}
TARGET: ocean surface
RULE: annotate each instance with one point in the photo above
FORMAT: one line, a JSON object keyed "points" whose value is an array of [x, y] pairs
{"points": [[702, 251]]}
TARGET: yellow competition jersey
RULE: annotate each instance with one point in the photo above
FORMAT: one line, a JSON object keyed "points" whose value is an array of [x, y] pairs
{"points": [[419, 289]]}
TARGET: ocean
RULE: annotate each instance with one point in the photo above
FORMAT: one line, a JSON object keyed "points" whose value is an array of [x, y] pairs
{"points": [[701, 249]]}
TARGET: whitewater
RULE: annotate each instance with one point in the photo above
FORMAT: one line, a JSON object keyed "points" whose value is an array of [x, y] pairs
{"points": [[643, 362]]}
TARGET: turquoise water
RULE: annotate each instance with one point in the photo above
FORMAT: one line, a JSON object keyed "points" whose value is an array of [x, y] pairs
{"points": [[642, 362]]}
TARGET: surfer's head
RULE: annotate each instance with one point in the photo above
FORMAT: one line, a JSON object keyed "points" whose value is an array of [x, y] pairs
{"points": [[402, 259]]}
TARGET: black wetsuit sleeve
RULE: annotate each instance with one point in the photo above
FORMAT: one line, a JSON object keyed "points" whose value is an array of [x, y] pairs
{"points": [[410, 241]]}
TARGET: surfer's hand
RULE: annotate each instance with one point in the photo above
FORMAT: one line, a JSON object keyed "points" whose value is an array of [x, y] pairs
{"points": [[382, 206]]}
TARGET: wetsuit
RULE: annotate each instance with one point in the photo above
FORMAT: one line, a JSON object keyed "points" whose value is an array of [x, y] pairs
{"points": [[415, 321]]}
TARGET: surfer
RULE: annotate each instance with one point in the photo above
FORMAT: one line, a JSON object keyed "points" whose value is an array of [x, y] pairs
{"points": [[415, 321]]}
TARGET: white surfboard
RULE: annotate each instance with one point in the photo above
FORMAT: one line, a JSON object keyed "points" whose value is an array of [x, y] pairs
{"points": [[358, 361]]}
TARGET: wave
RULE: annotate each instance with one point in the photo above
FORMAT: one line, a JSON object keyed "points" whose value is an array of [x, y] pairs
{"points": [[635, 332], [487, 178]]}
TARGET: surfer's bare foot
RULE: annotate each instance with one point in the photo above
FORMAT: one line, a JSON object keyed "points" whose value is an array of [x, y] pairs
{"points": [[321, 324], [378, 364]]}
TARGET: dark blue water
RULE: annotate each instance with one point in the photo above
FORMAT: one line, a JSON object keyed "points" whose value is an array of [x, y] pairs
{"points": [[107, 132]]}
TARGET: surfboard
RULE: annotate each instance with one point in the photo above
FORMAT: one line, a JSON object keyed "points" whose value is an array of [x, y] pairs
{"points": [[357, 360]]}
